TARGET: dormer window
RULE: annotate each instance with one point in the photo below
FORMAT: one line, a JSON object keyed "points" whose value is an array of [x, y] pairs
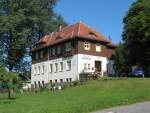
{"points": [[86, 45], [91, 34]]}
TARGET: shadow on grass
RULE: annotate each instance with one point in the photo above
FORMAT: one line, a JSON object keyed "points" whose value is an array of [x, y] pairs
{"points": [[6, 100]]}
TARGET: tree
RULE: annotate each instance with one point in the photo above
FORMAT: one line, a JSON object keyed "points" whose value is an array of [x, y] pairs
{"points": [[22, 23], [8, 80], [120, 65], [136, 34]]}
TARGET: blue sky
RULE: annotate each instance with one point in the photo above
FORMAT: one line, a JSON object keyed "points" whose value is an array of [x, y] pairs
{"points": [[105, 16]]}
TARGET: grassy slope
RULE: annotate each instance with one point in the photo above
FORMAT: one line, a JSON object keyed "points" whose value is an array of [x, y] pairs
{"points": [[91, 96]]}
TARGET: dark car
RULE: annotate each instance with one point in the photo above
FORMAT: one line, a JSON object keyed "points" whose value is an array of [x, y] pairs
{"points": [[138, 72]]}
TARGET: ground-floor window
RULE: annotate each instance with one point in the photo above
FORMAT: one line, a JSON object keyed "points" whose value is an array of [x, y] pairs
{"points": [[70, 79], [67, 80], [61, 80], [43, 83], [55, 80], [35, 84]]}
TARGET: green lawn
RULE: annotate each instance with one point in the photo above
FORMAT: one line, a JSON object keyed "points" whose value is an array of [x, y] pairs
{"points": [[92, 96]]}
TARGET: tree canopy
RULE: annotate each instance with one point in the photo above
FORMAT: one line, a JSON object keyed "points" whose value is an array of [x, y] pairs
{"points": [[136, 34], [22, 23]]}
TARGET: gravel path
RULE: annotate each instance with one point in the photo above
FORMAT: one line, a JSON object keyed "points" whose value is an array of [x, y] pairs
{"points": [[143, 107]]}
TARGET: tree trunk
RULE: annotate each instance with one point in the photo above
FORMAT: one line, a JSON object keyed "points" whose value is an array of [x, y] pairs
{"points": [[9, 93]]}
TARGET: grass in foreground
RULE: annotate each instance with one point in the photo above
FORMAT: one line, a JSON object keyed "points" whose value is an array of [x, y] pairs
{"points": [[94, 95]]}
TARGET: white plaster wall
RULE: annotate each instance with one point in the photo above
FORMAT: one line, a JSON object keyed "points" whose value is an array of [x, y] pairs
{"points": [[91, 60], [47, 76], [77, 67]]}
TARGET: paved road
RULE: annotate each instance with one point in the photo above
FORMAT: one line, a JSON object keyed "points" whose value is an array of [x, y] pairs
{"points": [[143, 107]]}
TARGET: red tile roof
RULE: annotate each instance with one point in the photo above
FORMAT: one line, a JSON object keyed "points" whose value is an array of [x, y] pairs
{"points": [[78, 30]]}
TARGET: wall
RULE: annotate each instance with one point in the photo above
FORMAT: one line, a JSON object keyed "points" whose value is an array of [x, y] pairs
{"points": [[91, 60], [47, 76]]}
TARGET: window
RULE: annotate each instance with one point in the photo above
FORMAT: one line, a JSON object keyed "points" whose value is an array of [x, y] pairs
{"points": [[51, 68], [53, 51], [35, 85], [58, 49], [43, 83], [41, 54], [56, 67], [68, 46], [38, 69], [55, 80], [42, 70], [68, 65], [98, 47], [89, 66], [61, 80], [39, 84], [86, 46], [51, 82], [35, 70], [61, 66], [50, 52], [36, 55], [67, 80], [70, 79], [85, 66]]}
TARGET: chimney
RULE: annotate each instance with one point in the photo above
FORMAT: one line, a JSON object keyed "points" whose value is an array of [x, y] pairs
{"points": [[59, 28]]}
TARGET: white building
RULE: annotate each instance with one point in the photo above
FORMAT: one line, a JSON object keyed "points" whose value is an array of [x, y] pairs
{"points": [[73, 50]]}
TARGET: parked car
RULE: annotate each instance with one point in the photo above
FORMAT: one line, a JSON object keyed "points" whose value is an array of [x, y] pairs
{"points": [[138, 72]]}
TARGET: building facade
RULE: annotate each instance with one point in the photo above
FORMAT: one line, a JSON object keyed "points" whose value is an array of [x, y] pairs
{"points": [[64, 55]]}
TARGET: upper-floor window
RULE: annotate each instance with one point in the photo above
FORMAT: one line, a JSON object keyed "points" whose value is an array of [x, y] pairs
{"points": [[86, 45], [53, 51], [68, 65], [58, 50], [36, 55], [68, 46], [98, 47], [41, 54]]}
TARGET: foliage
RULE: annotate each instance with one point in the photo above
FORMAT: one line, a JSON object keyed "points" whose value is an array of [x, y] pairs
{"points": [[22, 23], [120, 65], [136, 34], [9, 80], [94, 95]]}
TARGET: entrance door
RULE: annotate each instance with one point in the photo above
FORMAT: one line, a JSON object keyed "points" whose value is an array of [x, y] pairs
{"points": [[98, 66]]}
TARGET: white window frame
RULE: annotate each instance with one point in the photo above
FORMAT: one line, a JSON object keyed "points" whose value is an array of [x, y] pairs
{"points": [[98, 47], [86, 45]]}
